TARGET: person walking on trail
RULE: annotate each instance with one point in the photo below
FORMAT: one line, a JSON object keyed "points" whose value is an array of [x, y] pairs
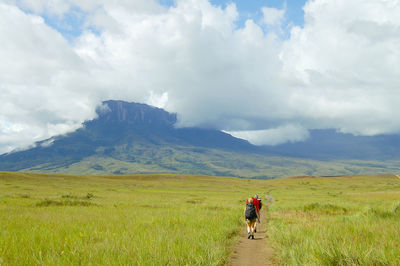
{"points": [[251, 216], [257, 203]]}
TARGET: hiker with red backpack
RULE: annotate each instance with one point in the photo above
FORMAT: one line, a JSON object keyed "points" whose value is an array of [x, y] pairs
{"points": [[257, 202], [251, 215]]}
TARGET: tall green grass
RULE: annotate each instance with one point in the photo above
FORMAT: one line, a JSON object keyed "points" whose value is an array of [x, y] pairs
{"points": [[337, 221], [194, 220], [119, 220]]}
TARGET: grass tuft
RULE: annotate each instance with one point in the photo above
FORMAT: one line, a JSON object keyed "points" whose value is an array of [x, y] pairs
{"points": [[325, 208], [396, 208], [394, 212], [69, 196], [49, 202]]}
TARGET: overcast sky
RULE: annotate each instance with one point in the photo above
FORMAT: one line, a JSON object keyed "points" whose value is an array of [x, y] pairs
{"points": [[264, 70]]}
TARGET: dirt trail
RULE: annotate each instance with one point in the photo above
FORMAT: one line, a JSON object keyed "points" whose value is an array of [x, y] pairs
{"points": [[398, 176], [253, 252]]}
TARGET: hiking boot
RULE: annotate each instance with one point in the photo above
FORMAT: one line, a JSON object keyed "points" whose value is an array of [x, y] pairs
{"points": [[249, 236], [252, 236]]}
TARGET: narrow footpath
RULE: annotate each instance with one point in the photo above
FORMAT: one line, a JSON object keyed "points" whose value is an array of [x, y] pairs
{"points": [[253, 252]]}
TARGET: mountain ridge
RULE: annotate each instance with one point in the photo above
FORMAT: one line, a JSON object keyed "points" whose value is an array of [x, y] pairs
{"points": [[129, 138]]}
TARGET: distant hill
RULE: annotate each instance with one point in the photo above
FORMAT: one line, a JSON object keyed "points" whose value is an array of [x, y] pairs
{"points": [[329, 144], [129, 138]]}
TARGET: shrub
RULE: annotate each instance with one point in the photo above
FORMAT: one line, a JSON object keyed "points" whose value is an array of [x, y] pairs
{"points": [[49, 202]]}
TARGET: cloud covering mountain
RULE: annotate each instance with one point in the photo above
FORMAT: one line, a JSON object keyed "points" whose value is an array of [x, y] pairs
{"points": [[264, 80]]}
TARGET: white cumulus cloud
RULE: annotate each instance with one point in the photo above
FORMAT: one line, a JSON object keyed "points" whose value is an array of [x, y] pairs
{"points": [[273, 16], [273, 136], [340, 70]]}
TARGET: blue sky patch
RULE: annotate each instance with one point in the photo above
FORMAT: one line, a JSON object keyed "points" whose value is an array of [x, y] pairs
{"points": [[251, 9], [70, 24]]}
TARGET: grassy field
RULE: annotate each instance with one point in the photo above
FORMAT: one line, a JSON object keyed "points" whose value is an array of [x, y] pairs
{"points": [[193, 220], [109, 220], [336, 221]]}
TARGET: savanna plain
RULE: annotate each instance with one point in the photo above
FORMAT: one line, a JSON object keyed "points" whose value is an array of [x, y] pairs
{"points": [[50, 219]]}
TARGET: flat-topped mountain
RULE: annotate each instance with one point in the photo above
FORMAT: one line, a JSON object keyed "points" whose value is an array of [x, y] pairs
{"points": [[129, 134], [138, 138], [133, 123], [120, 112]]}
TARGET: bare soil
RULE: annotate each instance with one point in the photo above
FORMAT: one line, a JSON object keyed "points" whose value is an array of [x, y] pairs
{"points": [[253, 252]]}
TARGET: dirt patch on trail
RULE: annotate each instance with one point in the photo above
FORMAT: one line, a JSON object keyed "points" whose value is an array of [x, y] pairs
{"points": [[253, 252]]}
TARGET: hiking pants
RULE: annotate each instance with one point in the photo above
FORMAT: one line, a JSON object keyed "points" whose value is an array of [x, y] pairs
{"points": [[250, 225]]}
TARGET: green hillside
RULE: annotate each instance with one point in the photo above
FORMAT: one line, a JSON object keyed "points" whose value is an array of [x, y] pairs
{"points": [[153, 159]]}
